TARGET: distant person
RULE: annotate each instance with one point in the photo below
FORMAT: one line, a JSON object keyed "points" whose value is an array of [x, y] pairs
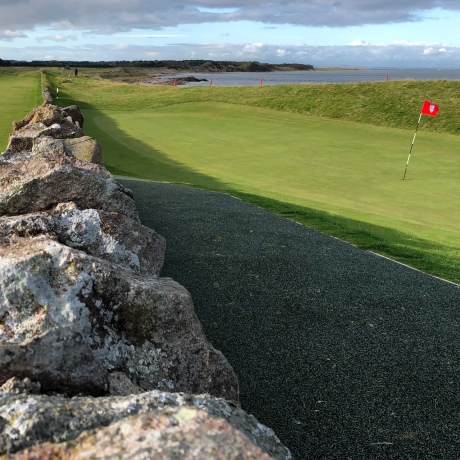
{"points": [[76, 72]]}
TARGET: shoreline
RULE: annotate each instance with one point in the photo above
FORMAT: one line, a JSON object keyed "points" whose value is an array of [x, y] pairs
{"points": [[159, 80], [318, 76]]}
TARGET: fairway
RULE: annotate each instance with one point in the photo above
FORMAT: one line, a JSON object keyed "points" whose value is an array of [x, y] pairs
{"points": [[344, 168], [20, 93]]}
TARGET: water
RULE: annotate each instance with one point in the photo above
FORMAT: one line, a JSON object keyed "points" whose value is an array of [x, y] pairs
{"points": [[321, 76]]}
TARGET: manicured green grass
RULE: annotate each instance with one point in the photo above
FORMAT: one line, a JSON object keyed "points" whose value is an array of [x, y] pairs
{"points": [[20, 92], [328, 156], [340, 167]]}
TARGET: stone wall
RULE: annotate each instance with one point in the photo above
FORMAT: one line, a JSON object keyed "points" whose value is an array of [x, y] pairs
{"points": [[99, 353]]}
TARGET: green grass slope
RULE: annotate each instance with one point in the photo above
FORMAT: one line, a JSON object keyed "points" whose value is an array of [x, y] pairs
{"points": [[391, 104], [20, 92], [329, 156]]}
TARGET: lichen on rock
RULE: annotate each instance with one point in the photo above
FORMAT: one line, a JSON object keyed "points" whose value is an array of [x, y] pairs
{"points": [[71, 425], [84, 313]]}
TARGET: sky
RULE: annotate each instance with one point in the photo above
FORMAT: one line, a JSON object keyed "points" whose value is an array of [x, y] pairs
{"points": [[323, 33]]}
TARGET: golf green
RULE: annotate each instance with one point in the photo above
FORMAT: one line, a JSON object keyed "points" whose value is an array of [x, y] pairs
{"points": [[344, 168]]}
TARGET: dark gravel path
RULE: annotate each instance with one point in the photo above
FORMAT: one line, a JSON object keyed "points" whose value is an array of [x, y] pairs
{"points": [[344, 354]]}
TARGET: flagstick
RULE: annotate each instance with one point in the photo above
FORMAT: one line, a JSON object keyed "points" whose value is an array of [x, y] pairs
{"points": [[413, 140]]}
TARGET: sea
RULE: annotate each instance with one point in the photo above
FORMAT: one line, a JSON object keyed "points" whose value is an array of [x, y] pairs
{"points": [[319, 76]]}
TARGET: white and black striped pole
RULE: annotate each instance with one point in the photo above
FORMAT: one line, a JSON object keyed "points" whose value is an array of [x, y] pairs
{"points": [[428, 108], [413, 140]]}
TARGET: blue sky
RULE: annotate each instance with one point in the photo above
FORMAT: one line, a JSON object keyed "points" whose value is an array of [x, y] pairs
{"points": [[353, 33]]}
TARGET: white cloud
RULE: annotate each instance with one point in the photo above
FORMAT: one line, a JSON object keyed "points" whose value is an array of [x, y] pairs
{"points": [[58, 38], [358, 42], [150, 35], [253, 47], [403, 42], [406, 42], [216, 10], [434, 51], [9, 35]]}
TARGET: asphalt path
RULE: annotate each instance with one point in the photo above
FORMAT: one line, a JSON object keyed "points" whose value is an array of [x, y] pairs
{"points": [[343, 353]]}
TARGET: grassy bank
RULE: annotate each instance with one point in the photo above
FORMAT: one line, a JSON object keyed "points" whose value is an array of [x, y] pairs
{"points": [[334, 164], [21, 92], [391, 104]]}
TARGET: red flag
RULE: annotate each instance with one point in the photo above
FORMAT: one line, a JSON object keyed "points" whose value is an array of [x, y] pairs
{"points": [[429, 108]]}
